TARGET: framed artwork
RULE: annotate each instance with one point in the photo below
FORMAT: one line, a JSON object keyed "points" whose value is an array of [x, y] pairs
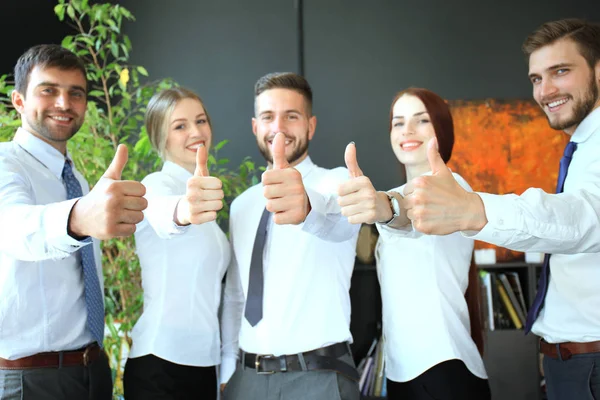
{"points": [[505, 147]]}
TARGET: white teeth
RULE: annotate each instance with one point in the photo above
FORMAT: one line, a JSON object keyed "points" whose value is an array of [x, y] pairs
{"points": [[60, 118], [288, 142], [410, 145], [557, 103]]}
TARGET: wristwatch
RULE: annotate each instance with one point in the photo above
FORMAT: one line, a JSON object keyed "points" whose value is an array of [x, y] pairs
{"points": [[394, 206]]}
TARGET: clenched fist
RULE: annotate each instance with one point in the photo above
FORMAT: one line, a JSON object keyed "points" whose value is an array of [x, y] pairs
{"points": [[203, 197], [112, 208], [283, 188]]}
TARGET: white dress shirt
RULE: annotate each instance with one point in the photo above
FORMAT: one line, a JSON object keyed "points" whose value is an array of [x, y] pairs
{"points": [[567, 225], [307, 271], [182, 271], [42, 305], [423, 280]]}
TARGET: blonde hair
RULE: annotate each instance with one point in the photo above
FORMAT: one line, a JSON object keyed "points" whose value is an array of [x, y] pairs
{"points": [[159, 111]]}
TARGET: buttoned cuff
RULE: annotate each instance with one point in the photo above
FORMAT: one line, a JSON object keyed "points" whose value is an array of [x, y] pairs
{"points": [[387, 233], [228, 366], [55, 224], [161, 214], [502, 220]]}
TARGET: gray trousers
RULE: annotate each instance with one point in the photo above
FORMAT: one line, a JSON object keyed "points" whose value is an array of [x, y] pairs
{"points": [[576, 378], [246, 384], [93, 382]]}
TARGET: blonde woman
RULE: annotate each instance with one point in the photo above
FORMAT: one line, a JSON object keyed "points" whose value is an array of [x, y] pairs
{"points": [[183, 254]]}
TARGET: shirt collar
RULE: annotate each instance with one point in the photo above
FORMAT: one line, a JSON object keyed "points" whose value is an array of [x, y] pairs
{"points": [[176, 171], [587, 127], [51, 158]]}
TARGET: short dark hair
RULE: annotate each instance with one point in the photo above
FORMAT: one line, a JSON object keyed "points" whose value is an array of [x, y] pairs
{"points": [[45, 56], [586, 36], [441, 118], [285, 80]]}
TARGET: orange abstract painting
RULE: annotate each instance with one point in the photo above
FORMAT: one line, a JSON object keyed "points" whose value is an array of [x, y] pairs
{"points": [[505, 147]]}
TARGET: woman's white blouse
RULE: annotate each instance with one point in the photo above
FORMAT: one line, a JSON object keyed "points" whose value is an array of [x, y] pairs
{"points": [[423, 279], [182, 271]]}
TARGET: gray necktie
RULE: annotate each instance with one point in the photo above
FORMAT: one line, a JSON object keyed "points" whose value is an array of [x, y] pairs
{"points": [[254, 302]]}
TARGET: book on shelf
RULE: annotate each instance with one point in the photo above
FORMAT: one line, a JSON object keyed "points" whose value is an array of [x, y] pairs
{"points": [[514, 302], [371, 370], [509, 307], [503, 300]]}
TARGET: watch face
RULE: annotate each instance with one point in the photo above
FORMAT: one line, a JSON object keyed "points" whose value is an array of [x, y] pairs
{"points": [[395, 206]]}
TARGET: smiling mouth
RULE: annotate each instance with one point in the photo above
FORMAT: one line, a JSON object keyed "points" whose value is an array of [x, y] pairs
{"points": [[408, 146], [60, 118], [553, 105], [195, 146]]}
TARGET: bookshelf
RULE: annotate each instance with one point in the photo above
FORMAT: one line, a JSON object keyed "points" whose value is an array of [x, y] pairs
{"points": [[511, 358]]}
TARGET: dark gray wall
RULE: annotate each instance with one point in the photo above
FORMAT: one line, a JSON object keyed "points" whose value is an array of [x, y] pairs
{"points": [[357, 55]]}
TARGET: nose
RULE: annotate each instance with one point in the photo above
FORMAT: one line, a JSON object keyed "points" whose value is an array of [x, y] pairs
{"points": [[277, 125], [547, 88], [408, 129], [62, 101]]}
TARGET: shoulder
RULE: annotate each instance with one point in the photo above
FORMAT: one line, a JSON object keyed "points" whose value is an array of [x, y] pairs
{"points": [[12, 158]]}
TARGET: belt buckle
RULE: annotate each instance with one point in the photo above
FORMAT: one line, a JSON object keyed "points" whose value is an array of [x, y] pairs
{"points": [[86, 356], [257, 360]]}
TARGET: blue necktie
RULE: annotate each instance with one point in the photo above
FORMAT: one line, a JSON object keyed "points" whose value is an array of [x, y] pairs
{"points": [[538, 302], [254, 302], [93, 294]]}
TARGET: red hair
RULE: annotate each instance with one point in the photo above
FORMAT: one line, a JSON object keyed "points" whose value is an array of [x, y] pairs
{"points": [[440, 115]]}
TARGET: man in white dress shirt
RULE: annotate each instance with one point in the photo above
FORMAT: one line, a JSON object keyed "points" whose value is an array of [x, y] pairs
{"points": [[288, 285], [51, 312], [564, 69]]}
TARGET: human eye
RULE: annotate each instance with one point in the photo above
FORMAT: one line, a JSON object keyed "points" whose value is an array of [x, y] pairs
{"points": [[293, 117], [48, 90], [201, 121], [266, 117], [423, 121], [179, 127], [535, 80], [562, 71], [398, 124], [78, 94]]}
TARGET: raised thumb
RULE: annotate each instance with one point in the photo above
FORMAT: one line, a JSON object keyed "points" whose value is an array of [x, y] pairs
{"points": [[436, 163], [278, 152], [115, 169], [201, 161], [351, 162]]}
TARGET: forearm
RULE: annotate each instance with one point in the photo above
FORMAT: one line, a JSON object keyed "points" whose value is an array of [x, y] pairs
{"points": [[37, 232], [563, 223], [325, 219]]}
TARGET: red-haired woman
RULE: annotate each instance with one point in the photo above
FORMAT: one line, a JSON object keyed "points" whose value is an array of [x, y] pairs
{"points": [[429, 350]]}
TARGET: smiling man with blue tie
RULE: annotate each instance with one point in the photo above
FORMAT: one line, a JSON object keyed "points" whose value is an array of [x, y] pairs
{"points": [[52, 304], [564, 69]]}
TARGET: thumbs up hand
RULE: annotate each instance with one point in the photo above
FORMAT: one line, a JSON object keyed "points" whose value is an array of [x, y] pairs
{"points": [[204, 194], [437, 204], [112, 208], [358, 199], [283, 188]]}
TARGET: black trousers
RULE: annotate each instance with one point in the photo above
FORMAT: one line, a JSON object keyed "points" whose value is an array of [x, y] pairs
{"points": [[152, 378], [449, 380]]}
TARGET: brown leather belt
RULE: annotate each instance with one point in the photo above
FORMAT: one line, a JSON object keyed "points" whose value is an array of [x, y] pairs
{"points": [[568, 349], [324, 358], [83, 357]]}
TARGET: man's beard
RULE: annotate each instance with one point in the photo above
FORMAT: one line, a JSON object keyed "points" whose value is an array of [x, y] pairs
{"points": [[42, 128], [581, 109], [298, 152]]}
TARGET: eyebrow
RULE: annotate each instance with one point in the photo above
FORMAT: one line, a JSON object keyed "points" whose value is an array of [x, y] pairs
{"points": [[54, 84], [552, 68], [185, 119], [414, 115], [290, 111]]}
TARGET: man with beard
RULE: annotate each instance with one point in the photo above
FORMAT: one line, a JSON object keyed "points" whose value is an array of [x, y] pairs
{"points": [[564, 69], [287, 290], [52, 310]]}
